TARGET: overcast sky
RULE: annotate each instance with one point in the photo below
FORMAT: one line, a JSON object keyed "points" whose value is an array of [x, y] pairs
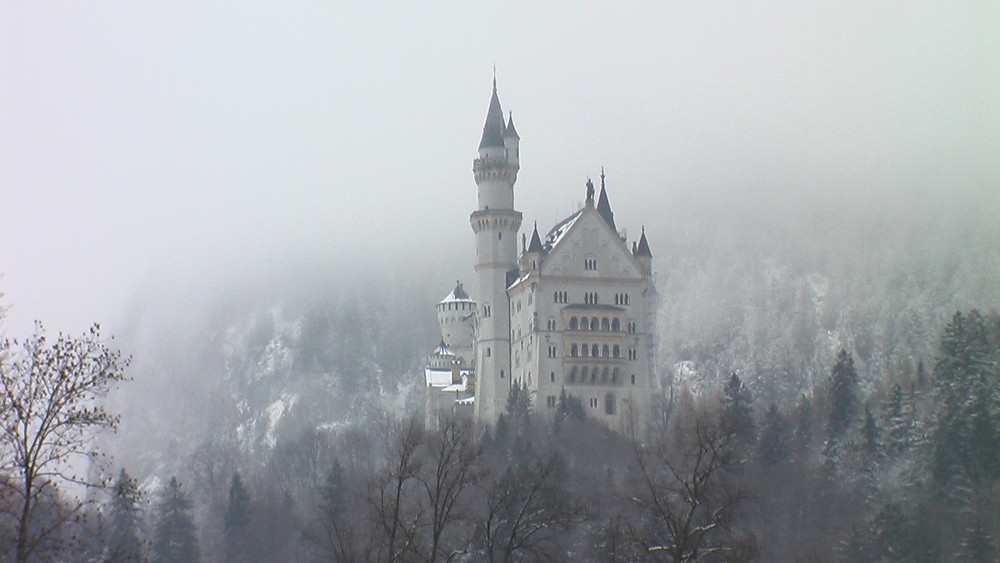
{"points": [[140, 140]]}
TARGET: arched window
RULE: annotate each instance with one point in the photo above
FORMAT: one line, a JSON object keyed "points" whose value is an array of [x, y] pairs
{"points": [[593, 376], [609, 403], [614, 376], [583, 374], [572, 375], [594, 350], [573, 324], [605, 324], [552, 377], [594, 323], [585, 351], [604, 375], [605, 351], [617, 352], [573, 350], [615, 325]]}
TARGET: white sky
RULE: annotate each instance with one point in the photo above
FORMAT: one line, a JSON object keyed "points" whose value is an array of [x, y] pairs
{"points": [[143, 139]]}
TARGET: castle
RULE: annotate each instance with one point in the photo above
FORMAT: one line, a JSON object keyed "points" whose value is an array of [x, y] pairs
{"points": [[574, 312]]}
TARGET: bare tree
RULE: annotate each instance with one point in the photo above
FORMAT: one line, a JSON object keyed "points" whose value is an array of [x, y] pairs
{"points": [[49, 414], [525, 512], [687, 504], [451, 469], [394, 514]]}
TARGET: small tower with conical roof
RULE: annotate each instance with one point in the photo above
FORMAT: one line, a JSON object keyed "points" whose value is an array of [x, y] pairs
{"points": [[456, 314], [496, 224]]}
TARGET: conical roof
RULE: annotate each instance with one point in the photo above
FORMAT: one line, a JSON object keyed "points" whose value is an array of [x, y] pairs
{"points": [[536, 242], [510, 131], [494, 127], [604, 208], [643, 249], [457, 294]]}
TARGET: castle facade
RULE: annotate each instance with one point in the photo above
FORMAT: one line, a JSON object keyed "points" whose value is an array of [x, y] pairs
{"points": [[573, 312]]}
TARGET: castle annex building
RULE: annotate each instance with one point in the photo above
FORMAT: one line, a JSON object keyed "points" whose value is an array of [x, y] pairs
{"points": [[573, 311]]}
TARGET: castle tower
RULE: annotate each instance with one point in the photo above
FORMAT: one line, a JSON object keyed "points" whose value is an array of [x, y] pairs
{"points": [[496, 224]]}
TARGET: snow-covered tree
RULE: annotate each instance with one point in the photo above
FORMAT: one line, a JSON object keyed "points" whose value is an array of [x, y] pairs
{"points": [[123, 543], [174, 537]]}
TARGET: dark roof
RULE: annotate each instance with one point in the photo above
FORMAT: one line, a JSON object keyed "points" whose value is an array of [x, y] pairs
{"points": [[604, 208], [459, 292], [536, 243], [494, 128], [510, 131], [643, 248]]}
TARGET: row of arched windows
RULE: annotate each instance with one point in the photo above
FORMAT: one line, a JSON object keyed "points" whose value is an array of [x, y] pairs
{"points": [[594, 324], [586, 374], [595, 351]]}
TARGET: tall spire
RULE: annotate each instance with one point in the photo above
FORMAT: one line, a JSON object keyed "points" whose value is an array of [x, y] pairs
{"points": [[536, 242], [643, 249], [494, 127], [510, 131], [604, 206]]}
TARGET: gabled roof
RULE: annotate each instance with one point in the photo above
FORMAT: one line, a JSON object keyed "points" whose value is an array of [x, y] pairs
{"points": [[643, 249], [561, 228], [494, 127]]}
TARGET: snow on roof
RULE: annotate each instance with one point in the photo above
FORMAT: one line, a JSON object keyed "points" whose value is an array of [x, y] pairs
{"points": [[442, 351], [457, 294], [560, 230], [441, 378], [466, 401]]}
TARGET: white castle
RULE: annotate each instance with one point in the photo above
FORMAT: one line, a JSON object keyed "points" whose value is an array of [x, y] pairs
{"points": [[573, 313]]}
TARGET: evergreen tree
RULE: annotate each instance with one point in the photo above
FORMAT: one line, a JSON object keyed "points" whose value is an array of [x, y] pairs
{"points": [[966, 431], [870, 447], [123, 537], [804, 428], [237, 520], [518, 406], [737, 411], [773, 447], [897, 426], [843, 396], [174, 538]]}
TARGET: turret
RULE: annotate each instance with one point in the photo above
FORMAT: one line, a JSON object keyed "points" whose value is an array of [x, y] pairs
{"points": [[642, 253], [604, 206], [496, 224], [456, 315], [531, 258]]}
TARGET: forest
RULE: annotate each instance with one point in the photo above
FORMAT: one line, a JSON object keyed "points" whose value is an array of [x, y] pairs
{"points": [[811, 409]]}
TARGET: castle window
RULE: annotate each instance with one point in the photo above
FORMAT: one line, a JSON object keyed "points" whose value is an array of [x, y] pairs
{"points": [[605, 324], [550, 401], [573, 325], [632, 355], [614, 376], [573, 350], [585, 350], [583, 374], [552, 324], [594, 350], [572, 375], [615, 325], [594, 403], [501, 374], [593, 376], [552, 351], [594, 323], [616, 352], [487, 352], [633, 379], [552, 377], [590, 263], [632, 327], [609, 404], [605, 351], [499, 236]]}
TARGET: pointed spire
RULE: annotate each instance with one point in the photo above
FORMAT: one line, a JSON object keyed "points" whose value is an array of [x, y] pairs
{"points": [[643, 248], [493, 129], [510, 131], [536, 242], [604, 206]]}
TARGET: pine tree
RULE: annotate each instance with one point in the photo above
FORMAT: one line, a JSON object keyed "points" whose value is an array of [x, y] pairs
{"points": [[870, 447], [237, 520], [896, 425], [174, 538], [966, 429], [123, 537], [773, 447], [843, 396], [737, 414]]}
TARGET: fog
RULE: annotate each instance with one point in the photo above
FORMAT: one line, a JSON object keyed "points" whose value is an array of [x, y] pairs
{"points": [[169, 145]]}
